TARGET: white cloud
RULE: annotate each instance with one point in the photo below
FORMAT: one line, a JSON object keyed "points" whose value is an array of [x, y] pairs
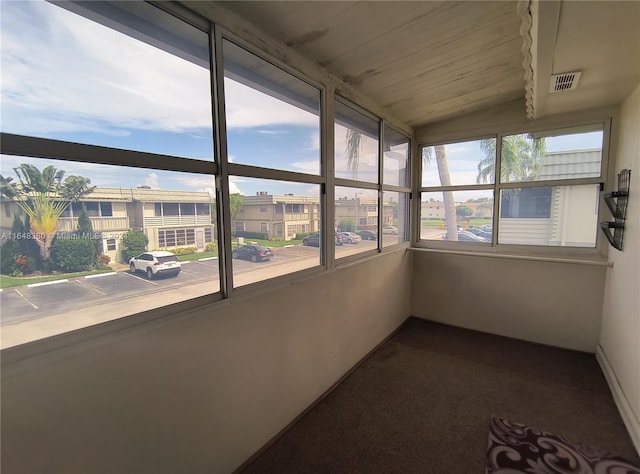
{"points": [[152, 181], [203, 182], [247, 107], [273, 132], [314, 141], [64, 73]]}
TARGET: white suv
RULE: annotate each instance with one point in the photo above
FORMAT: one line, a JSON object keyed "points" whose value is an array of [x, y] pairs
{"points": [[155, 263]]}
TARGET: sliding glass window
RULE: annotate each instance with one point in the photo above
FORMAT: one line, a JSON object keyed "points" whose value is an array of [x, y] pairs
{"points": [[396, 187], [273, 146], [545, 184], [108, 189]]}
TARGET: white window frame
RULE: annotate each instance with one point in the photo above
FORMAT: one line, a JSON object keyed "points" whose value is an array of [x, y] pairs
{"points": [[596, 253]]}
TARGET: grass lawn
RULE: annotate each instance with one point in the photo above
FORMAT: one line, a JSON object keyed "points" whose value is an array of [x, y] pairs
{"points": [[273, 243], [196, 256], [9, 282]]}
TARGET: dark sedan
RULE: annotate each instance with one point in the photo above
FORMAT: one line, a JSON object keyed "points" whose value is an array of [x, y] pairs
{"points": [[254, 253], [367, 235]]}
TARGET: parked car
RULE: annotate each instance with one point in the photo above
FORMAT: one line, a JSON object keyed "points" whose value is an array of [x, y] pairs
{"points": [[350, 237], [367, 235], [254, 253], [155, 263], [464, 236], [390, 229], [480, 232], [313, 240]]}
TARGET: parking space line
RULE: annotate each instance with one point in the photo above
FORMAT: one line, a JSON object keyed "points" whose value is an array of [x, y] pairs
{"points": [[207, 258], [189, 273], [81, 283], [142, 279], [55, 282], [27, 300], [202, 262], [101, 275]]}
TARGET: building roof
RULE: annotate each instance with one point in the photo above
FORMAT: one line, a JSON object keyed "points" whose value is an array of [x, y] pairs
{"points": [[147, 195], [571, 164]]}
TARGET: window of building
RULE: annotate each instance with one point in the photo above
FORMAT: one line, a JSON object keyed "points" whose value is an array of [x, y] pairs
{"points": [[111, 244], [461, 181]]}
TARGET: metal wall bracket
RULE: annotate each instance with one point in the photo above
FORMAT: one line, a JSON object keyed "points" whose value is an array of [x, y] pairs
{"points": [[617, 203]]}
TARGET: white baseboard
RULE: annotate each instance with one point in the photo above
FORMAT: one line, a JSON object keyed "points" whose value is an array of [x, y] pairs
{"points": [[628, 416]]}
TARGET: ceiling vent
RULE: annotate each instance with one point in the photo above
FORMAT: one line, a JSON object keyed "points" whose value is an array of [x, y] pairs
{"points": [[564, 82]]}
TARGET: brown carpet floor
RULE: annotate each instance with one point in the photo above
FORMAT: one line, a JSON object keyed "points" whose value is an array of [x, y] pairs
{"points": [[423, 401]]}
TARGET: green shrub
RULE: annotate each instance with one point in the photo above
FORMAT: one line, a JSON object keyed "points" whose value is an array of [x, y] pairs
{"points": [[252, 235], [135, 240], [134, 244], [211, 247], [8, 253], [184, 250], [302, 235], [72, 255], [128, 254]]}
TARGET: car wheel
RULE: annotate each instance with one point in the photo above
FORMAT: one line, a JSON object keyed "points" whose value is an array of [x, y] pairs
{"points": [[132, 267], [149, 273], [234, 254], [254, 258]]}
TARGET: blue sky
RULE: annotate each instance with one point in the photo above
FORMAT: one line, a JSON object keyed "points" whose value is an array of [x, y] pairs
{"points": [[68, 78]]}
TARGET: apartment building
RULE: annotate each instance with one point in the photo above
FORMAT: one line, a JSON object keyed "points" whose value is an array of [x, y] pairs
{"points": [[278, 216], [169, 218], [301, 94]]}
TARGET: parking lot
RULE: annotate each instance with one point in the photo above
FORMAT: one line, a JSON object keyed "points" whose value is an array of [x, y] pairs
{"points": [[102, 297]]}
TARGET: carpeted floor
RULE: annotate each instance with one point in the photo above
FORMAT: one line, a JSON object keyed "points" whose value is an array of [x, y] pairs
{"points": [[423, 403]]}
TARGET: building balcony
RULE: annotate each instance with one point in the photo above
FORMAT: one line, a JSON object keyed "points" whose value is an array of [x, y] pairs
{"points": [[176, 221], [292, 217], [99, 224]]}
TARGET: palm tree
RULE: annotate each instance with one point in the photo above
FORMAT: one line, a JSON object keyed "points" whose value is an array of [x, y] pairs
{"points": [[520, 160], [445, 180], [354, 141], [43, 196]]}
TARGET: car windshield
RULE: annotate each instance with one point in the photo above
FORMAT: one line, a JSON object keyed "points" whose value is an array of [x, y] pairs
{"points": [[168, 258], [260, 248]]}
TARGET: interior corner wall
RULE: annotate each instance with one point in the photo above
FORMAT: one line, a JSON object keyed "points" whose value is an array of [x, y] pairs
{"points": [[620, 337], [557, 304], [200, 394]]}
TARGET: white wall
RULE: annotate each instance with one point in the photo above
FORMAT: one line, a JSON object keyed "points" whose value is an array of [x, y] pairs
{"points": [[202, 393], [620, 337], [558, 304]]}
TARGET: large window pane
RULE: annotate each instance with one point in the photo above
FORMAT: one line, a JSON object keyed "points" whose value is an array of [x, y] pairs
{"points": [[463, 216], [276, 228], [395, 217], [460, 163], [356, 212], [560, 154], [273, 118], [396, 158], [64, 255], [356, 145], [68, 78], [563, 216]]}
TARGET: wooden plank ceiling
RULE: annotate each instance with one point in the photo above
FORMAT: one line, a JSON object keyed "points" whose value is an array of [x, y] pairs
{"points": [[423, 61]]}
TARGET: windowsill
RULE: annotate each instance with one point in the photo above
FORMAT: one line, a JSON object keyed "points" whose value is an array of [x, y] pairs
{"points": [[588, 258]]}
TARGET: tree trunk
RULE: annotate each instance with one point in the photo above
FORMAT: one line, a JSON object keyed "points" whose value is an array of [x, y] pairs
{"points": [[449, 204]]}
